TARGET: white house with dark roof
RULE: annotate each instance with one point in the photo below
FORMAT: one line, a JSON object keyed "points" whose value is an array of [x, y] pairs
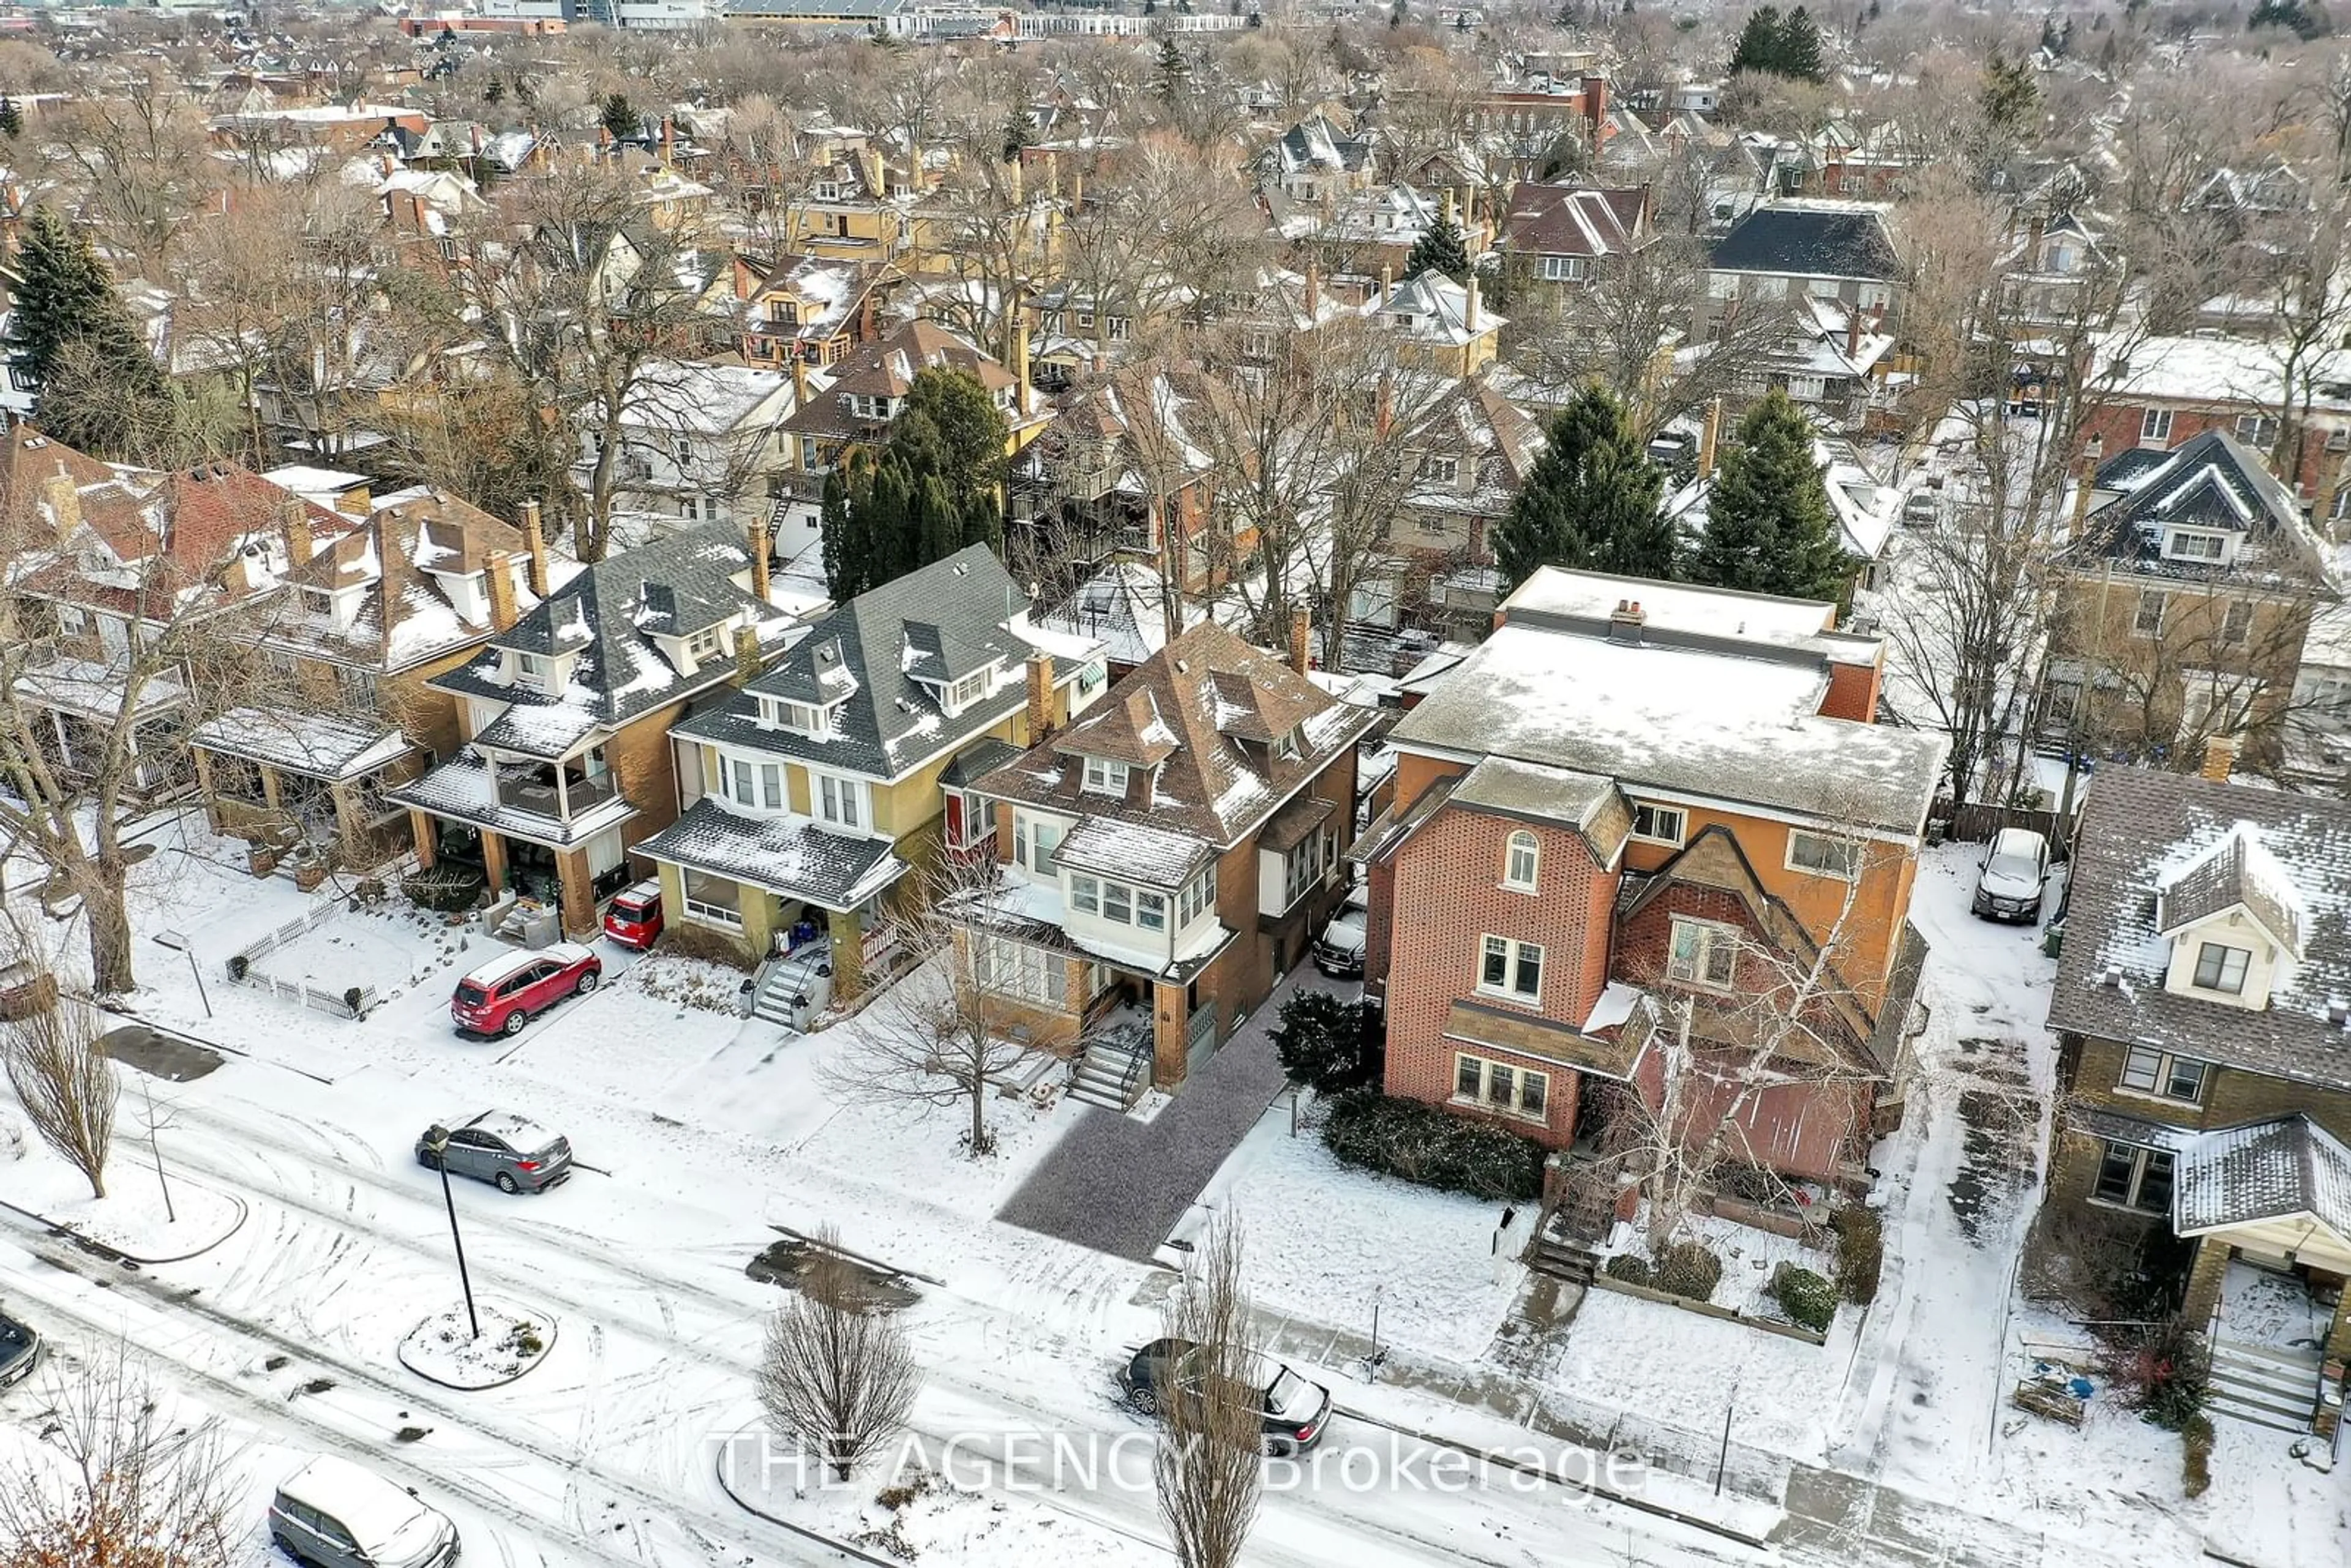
{"points": [[2203, 1012], [566, 713], [815, 787]]}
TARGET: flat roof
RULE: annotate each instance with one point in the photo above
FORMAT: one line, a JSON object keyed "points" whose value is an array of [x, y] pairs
{"points": [[1724, 613]]}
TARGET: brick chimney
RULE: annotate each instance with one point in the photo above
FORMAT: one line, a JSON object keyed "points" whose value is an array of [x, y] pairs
{"points": [[1384, 419], [2219, 759], [760, 579], [1387, 282], [2085, 487], [749, 660], [1040, 694], [1596, 104], [294, 518], [1626, 620], [1302, 639], [800, 384], [497, 574], [668, 140], [534, 537], [1709, 437], [1853, 333]]}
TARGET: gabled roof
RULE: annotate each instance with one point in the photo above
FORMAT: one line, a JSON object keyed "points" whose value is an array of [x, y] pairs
{"points": [[2237, 873], [1576, 220], [876, 662], [609, 615], [1809, 239], [2214, 483], [1123, 607], [1432, 308], [2143, 832], [1194, 722], [407, 615]]}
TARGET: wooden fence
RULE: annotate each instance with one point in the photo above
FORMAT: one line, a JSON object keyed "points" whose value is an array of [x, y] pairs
{"points": [[1975, 824]]}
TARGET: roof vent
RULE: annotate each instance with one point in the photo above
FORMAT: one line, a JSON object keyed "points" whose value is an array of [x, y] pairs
{"points": [[2111, 977], [2338, 1012]]}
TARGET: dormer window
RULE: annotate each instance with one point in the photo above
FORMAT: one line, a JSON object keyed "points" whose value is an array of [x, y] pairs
{"points": [[804, 717], [1285, 746], [2220, 968], [534, 670], [2183, 544], [1105, 776], [1441, 470], [970, 689], [708, 643]]}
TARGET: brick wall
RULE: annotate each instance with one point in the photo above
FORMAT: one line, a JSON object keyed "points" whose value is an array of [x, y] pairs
{"points": [[1853, 692], [2316, 470], [1447, 893], [2231, 1097]]}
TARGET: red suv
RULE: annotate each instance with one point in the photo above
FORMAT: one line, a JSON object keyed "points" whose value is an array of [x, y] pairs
{"points": [[635, 917], [500, 997]]}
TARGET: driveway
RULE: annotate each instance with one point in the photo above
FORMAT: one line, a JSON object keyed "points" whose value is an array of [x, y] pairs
{"points": [[1118, 1185]]}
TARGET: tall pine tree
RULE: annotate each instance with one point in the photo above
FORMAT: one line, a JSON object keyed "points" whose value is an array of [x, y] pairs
{"points": [[67, 318], [1758, 48], [1593, 501], [936, 486], [12, 118], [1799, 48], [1768, 525], [1441, 247]]}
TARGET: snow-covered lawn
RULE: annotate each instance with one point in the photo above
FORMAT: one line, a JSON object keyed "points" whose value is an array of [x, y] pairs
{"points": [[139, 1217], [1327, 1242], [488, 1347], [1749, 1258]]}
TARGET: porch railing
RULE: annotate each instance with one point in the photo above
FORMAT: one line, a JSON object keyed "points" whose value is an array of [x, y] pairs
{"points": [[541, 797]]}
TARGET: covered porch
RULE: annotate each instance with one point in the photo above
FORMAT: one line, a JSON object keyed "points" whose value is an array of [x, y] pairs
{"points": [[81, 702], [317, 778], [569, 854], [2269, 1207]]}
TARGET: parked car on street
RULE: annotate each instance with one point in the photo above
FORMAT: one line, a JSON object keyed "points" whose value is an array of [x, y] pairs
{"points": [[1294, 1411], [513, 1152], [1339, 951], [332, 1513], [20, 1350], [503, 995], [1919, 510], [2013, 876], [634, 918]]}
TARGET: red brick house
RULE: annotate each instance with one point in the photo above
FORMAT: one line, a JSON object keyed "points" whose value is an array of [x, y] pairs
{"points": [[2161, 393], [1649, 855]]}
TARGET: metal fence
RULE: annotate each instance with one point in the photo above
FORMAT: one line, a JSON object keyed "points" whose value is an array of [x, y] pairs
{"points": [[245, 970]]}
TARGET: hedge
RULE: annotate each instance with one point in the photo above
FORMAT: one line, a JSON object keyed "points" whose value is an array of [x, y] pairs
{"points": [[443, 889], [1630, 1267], [1808, 1299], [1860, 1251], [1688, 1269], [2195, 1456], [1436, 1148]]}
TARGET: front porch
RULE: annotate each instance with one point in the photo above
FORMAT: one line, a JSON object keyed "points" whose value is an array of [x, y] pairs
{"points": [[317, 778], [81, 703], [556, 839]]}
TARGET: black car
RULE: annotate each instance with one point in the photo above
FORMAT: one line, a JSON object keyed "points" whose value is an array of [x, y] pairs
{"points": [[20, 1350], [1294, 1411], [1339, 951]]}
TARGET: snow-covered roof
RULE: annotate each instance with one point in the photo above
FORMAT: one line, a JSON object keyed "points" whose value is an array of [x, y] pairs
{"points": [[461, 788], [2214, 370], [792, 856], [1589, 597], [1135, 850], [95, 690], [316, 746], [2282, 1169], [1737, 727], [1123, 607]]}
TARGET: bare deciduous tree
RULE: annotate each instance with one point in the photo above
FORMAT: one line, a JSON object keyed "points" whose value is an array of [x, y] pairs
{"points": [[118, 1484], [837, 1373], [938, 1038], [66, 1082], [1207, 1470]]}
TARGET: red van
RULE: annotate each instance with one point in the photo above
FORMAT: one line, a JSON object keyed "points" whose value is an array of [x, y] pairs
{"points": [[634, 918]]}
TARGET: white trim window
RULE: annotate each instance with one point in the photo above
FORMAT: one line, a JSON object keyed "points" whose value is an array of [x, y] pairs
{"points": [[1512, 968], [1199, 894], [2194, 543], [2155, 427], [1822, 855], [1500, 1086], [2147, 617], [1441, 470], [1105, 777], [1656, 824], [1564, 268], [1119, 903], [2258, 431], [842, 801], [1701, 953], [2133, 1177], [1521, 861], [2146, 1071], [2236, 622], [970, 689], [1016, 969], [1034, 840], [2220, 968], [711, 900], [754, 786], [706, 644], [535, 670]]}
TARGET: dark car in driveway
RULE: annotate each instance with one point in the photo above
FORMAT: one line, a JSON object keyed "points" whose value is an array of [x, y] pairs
{"points": [[1294, 1411], [513, 1152], [2012, 877], [20, 1350], [1339, 951]]}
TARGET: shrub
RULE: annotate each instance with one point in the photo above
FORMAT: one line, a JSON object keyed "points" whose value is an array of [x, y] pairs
{"points": [[1809, 1300], [1686, 1268], [1422, 1144], [2165, 1374], [1632, 1268], [444, 889], [1325, 1043], [1860, 1251], [352, 997], [1750, 1185], [709, 946], [2195, 1456]]}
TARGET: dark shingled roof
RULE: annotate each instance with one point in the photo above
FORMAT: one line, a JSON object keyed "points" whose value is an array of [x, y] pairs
{"points": [[1810, 241], [2212, 482], [2265, 1170], [2141, 828], [789, 855], [2220, 882]]}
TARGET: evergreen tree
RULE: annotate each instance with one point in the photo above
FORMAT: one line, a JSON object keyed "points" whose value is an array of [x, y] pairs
{"points": [[936, 486], [1799, 48], [1020, 131], [2010, 99], [1441, 247], [1591, 502], [1768, 528], [1174, 71], [67, 310], [1758, 48], [12, 118], [620, 118]]}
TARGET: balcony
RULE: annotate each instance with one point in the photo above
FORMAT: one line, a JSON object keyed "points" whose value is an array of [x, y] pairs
{"points": [[545, 793]]}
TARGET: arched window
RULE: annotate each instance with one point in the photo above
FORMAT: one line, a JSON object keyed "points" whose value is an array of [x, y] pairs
{"points": [[1518, 867]]}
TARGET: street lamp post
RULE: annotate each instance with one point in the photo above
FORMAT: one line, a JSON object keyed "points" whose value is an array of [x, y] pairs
{"points": [[436, 1140]]}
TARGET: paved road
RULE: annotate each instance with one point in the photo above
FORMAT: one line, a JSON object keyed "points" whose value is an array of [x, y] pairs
{"points": [[1118, 1185]]}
